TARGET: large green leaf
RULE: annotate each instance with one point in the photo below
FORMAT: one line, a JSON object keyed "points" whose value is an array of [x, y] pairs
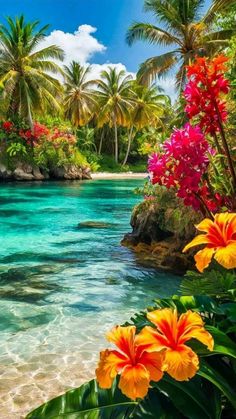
{"points": [[87, 402], [91, 402], [222, 343], [222, 378], [156, 406], [191, 398]]}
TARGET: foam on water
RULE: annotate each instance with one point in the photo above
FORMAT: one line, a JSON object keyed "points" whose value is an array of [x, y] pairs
{"points": [[64, 280]]}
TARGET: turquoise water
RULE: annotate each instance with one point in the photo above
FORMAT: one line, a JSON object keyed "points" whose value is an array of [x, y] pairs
{"points": [[63, 282]]}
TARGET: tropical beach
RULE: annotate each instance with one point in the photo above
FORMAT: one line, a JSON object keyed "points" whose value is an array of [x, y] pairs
{"points": [[118, 209]]}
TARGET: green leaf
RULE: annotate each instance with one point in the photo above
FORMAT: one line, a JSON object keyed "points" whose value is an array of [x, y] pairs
{"points": [[210, 283], [190, 397], [222, 343], [87, 402], [156, 406], [221, 380]]}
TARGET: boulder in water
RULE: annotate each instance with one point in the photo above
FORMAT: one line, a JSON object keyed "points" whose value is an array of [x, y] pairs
{"points": [[157, 239]]}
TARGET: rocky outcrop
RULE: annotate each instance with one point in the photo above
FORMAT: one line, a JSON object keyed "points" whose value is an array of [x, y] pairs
{"points": [[158, 236], [20, 174], [70, 172], [5, 174], [26, 172]]}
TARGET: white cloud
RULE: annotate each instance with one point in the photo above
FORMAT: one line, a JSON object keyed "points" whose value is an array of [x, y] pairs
{"points": [[81, 46], [168, 84], [97, 68], [78, 46]]}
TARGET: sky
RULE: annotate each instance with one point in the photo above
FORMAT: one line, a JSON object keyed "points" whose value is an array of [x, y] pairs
{"points": [[91, 31]]}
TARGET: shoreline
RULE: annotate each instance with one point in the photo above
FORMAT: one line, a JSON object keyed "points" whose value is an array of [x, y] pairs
{"points": [[129, 175]]}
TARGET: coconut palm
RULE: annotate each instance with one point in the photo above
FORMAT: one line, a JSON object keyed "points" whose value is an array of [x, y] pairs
{"points": [[149, 108], [183, 29], [114, 101], [80, 101], [26, 85]]}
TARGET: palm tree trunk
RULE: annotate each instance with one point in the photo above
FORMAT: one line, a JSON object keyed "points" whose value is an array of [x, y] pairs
{"points": [[31, 124], [30, 120], [116, 141], [130, 137], [100, 143]]}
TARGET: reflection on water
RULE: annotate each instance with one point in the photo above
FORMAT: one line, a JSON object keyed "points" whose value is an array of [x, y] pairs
{"points": [[64, 280]]}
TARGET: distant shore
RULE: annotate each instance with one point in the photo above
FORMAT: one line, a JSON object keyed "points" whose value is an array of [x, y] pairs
{"points": [[128, 175]]}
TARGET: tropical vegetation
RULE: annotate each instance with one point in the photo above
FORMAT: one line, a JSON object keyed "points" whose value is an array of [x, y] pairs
{"points": [[168, 359], [185, 30], [26, 86], [176, 359], [105, 115]]}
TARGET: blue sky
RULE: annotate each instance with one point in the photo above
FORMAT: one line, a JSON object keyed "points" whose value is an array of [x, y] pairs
{"points": [[110, 17]]}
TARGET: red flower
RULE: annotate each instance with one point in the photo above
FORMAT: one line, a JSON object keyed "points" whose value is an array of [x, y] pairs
{"points": [[7, 125], [204, 91], [40, 130]]}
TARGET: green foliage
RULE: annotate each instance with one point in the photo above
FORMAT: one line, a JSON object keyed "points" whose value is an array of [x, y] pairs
{"points": [[86, 139], [89, 401], [52, 121], [45, 148], [26, 84], [210, 394], [185, 32], [80, 101], [16, 149], [212, 282]]}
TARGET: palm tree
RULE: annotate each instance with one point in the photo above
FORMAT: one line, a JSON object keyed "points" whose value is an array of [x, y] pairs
{"points": [[114, 101], [183, 28], [149, 107], [80, 101], [26, 84]]}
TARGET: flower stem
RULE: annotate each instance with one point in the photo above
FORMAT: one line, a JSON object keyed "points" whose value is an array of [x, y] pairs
{"points": [[204, 208], [225, 145]]}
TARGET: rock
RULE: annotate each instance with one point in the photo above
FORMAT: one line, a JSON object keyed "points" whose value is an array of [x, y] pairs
{"points": [[5, 174], [157, 240], [37, 174], [57, 172], [27, 168], [95, 224], [20, 174], [146, 227], [86, 173], [45, 174], [25, 171], [73, 172]]}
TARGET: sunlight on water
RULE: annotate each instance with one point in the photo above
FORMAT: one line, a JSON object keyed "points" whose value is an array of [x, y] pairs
{"points": [[64, 280]]}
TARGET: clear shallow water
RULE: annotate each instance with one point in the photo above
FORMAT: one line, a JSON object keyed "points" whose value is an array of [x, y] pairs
{"points": [[64, 283]]}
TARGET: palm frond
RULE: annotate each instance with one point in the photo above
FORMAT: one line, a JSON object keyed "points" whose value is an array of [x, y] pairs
{"points": [[53, 51], [217, 7], [152, 34], [156, 67]]}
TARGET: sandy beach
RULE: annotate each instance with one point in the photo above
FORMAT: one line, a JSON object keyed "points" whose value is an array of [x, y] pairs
{"points": [[128, 175]]}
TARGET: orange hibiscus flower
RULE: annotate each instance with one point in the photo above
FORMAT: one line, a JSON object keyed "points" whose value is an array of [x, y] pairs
{"points": [[180, 361], [136, 366], [220, 240]]}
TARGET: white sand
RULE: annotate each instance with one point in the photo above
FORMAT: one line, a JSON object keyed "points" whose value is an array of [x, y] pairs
{"points": [[128, 175]]}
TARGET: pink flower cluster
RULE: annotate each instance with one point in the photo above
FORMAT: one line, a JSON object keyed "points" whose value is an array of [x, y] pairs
{"points": [[182, 162]]}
